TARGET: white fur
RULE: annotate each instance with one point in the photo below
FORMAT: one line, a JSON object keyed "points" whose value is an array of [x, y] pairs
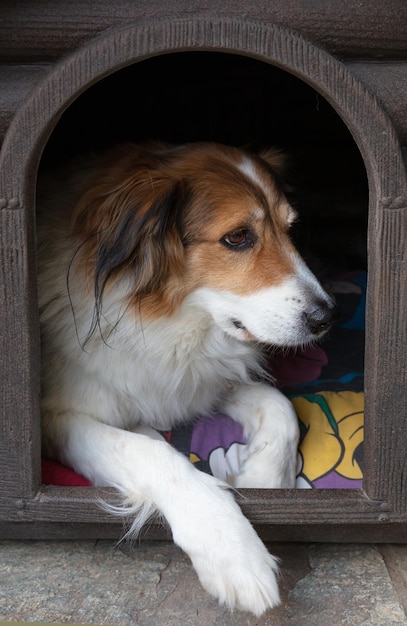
{"points": [[159, 373], [248, 168], [273, 315], [101, 402]]}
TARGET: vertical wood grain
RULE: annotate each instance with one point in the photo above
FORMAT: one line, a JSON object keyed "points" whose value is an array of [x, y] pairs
{"points": [[19, 362], [386, 361]]}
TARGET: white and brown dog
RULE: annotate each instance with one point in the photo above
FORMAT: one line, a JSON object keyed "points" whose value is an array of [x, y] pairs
{"points": [[162, 271]]}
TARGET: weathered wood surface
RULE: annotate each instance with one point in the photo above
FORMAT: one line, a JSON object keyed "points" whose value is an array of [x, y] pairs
{"points": [[293, 532], [298, 515], [388, 81], [16, 81], [19, 351], [80, 504], [386, 360], [44, 30]]}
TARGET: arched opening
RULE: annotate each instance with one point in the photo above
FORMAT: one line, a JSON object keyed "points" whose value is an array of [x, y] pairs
{"points": [[238, 100]]}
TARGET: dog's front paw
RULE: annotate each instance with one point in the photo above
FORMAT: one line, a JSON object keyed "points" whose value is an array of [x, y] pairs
{"points": [[242, 575], [231, 561], [268, 467], [271, 427], [271, 451]]}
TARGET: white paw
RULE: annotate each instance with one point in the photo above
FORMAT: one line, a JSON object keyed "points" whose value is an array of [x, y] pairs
{"points": [[270, 463], [241, 574], [231, 561], [271, 453], [260, 471], [271, 427]]}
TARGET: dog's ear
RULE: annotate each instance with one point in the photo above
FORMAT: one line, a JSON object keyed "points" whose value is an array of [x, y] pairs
{"points": [[276, 159], [129, 219]]}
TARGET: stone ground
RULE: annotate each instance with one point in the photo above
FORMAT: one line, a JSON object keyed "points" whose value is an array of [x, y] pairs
{"points": [[153, 584]]}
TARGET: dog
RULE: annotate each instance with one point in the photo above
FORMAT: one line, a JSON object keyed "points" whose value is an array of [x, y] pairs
{"points": [[162, 273]]}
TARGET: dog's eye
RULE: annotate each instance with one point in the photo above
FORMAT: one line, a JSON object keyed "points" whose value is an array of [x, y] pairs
{"points": [[238, 239]]}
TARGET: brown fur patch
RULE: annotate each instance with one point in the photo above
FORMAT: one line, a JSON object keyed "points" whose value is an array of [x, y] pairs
{"points": [[160, 215]]}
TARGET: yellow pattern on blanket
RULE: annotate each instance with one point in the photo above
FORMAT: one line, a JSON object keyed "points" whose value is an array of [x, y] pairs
{"points": [[333, 423]]}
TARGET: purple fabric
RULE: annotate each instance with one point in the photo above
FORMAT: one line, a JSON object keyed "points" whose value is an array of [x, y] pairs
{"points": [[217, 431]]}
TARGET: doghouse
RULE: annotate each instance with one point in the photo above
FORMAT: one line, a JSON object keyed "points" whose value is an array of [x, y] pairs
{"points": [[328, 87]]}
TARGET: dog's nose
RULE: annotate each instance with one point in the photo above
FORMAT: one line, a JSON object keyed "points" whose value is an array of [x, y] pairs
{"points": [[321, 318]]}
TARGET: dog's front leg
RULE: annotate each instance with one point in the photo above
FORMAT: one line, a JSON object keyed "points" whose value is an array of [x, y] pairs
{"points": [[271, 427], [231, 561]]}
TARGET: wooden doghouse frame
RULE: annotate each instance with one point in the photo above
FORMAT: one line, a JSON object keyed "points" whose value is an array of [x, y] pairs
{"points": [[29, 509]]}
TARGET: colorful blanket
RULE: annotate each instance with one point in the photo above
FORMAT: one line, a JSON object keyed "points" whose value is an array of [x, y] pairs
{"points": [[325, 384]]}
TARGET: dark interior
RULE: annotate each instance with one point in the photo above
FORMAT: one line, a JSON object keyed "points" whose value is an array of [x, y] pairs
{"points": [[193, 96]]}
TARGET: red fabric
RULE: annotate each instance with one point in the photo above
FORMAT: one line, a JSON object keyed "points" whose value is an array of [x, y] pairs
{"points": [[55, 474]]}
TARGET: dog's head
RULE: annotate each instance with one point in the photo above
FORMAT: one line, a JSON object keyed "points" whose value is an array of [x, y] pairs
{"points": [[205, 222]]}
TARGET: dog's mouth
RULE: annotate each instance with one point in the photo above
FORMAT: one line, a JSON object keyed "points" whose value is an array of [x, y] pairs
{"points": [[238, 324], [311, 326], [246, 334]]}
